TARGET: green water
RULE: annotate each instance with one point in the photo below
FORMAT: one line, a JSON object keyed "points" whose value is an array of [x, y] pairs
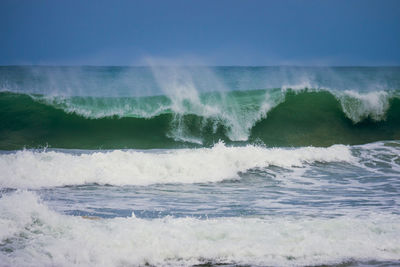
{"points": [[299, 119]]}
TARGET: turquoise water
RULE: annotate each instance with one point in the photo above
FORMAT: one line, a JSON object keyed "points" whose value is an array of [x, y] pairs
{"points": [[259, 166]]}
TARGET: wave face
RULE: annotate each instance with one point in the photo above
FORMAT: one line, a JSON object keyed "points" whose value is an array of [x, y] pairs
{"points": [[165, 107], [273, 117]]}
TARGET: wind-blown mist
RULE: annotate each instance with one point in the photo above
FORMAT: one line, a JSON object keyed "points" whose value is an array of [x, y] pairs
{"points": [[160, 107]]}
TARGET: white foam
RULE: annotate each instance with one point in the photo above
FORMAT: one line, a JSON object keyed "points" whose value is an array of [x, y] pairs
{"points": [[30, 169], [381, 158], [358, 106], [179, 86], [37, 236]]}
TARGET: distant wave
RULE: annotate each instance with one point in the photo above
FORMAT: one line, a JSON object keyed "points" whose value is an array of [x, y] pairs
{"points": [[276, 117]]}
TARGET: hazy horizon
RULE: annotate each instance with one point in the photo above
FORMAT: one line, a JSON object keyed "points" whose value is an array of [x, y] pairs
{"points": [[212, 33]]}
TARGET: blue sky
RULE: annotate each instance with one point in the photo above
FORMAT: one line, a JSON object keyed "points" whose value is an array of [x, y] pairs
{"points": [[218, 32]]}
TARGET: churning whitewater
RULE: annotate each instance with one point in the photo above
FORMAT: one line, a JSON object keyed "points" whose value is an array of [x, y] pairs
{"points": [[183, 166], [32, 169], [55, 239]]}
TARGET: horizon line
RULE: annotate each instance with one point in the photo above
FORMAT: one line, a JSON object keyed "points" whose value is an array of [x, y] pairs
{"points": [[199, 65]]}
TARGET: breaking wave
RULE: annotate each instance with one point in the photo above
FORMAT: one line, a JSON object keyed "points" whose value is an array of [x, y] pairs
{"points": [[276, 117], [30, 169]]}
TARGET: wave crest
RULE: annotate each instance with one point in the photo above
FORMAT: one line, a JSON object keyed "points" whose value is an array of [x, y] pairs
{"points": [[275, 117], [42, 169]]}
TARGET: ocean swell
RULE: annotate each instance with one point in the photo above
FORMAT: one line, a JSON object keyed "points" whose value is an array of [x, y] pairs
{"points": [[273, 117]]}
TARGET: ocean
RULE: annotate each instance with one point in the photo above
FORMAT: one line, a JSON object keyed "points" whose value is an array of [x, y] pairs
{"points": [[199, 166]]}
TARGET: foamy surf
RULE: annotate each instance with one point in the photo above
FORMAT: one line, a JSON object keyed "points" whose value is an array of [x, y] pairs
{"points": [[34, 235], [35, 169], [132, 174]]}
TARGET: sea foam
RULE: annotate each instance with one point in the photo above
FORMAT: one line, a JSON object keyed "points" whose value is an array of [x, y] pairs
{"points": [[32, 169], [34, 235], [358, 106]]}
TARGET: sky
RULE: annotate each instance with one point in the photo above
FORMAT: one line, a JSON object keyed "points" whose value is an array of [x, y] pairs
{"points": [[194, 32]]}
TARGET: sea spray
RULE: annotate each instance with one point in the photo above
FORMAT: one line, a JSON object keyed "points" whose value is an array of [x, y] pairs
{"points": [[359, 106], [275, 117], [188, 106]]}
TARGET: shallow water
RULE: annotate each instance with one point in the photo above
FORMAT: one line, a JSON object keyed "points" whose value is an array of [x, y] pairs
{"points": [[308, 211]]}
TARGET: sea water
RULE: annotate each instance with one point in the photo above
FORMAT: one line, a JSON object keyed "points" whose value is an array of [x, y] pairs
{"points": [[183, 166]]}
